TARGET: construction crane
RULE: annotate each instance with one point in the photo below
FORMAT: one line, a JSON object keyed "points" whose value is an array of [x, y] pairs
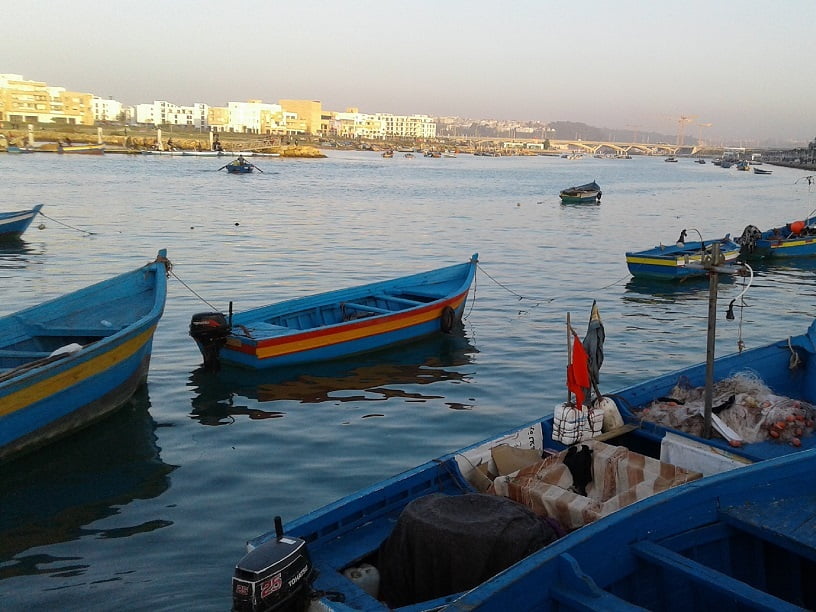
{"points": [[681, 128], [700, 142]]}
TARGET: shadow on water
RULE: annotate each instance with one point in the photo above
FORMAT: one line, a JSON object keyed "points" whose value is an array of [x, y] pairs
{"points": [[52, 494], [641, 290], [377, 376], [16, 253]]}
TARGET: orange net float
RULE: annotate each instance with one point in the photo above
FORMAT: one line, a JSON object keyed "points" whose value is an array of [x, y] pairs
{"points": [[797, 227]]}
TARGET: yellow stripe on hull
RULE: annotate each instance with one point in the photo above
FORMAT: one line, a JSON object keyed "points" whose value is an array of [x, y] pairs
{"points": [[62, 381], [350, 334]]}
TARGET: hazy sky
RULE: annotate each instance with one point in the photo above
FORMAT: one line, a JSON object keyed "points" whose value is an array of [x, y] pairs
{"points": [[747, 66]]}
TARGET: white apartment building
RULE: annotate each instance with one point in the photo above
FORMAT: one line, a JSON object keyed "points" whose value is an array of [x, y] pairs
{"points": [[162, 112], [407, 126], [254, 117], [107, 110]]}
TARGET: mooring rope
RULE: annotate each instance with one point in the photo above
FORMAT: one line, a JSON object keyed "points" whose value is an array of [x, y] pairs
{"points": [[66, 225], [510, 291], [191, 290]]}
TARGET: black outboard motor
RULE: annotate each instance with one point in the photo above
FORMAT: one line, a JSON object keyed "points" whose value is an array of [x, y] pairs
{"points": [[274, 576], [210, 331]]}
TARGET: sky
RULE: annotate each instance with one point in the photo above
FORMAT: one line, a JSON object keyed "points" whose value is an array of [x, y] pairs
{"points": [[747, 67]]}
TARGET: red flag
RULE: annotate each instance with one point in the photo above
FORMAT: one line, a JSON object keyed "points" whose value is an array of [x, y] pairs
{"points": [[578, 372]]}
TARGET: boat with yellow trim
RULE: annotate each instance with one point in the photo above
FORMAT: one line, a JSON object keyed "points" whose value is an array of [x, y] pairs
{"points": [[86, 149], [337, 323], [794, 239], [74, 359], [671, 262]]}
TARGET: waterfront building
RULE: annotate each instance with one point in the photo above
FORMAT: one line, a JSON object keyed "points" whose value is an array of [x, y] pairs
{"points": [[305, 118], [108, 110], [161, 112], [23, 101], [407, 126]]}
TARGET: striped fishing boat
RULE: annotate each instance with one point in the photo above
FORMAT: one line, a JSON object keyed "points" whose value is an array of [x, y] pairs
{"points": [[69, 361], [338, 323], [13, 224]]}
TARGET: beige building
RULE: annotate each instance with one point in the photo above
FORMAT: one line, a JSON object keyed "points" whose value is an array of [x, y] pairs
{"points": [[23, 101], [308, 114]]}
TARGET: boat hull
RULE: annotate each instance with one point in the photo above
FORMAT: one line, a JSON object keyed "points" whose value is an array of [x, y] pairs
{"points": [[97, 149], [780, 242], [42, 397], [582, 194], [242, 169], [728, 542], [13, 224], [671, 262], [348, 322]]}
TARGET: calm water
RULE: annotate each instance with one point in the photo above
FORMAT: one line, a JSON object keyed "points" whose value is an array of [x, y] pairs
{"points": [[150, 509]]}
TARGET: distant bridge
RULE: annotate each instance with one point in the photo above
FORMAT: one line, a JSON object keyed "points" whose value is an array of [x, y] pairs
{"points": [[599, 146]]}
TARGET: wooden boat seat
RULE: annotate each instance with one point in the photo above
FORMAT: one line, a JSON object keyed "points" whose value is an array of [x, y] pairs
{"points": [[24, 354], [366, 308], [788, 523], [399, 300], [736, 590], [71, 332]]}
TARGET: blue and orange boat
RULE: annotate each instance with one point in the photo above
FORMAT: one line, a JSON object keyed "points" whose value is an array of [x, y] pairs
{"points": [[72, 360], [671, 261], [338, 323], [13, 224], [794, 239]]}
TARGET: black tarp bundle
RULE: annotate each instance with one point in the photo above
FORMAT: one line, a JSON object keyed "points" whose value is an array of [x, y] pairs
{"points": [[444, 544]]}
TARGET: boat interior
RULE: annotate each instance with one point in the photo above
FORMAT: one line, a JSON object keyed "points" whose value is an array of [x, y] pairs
{"points": [[362, 307]]}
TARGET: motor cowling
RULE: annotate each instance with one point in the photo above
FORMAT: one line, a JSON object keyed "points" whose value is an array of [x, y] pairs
{"points": [[210, 331], [274, 576]]}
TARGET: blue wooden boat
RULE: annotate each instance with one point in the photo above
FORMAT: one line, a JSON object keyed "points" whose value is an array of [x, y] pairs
{"points": [[794, 239], [590, 193], [338, 323], [13, 224], [671, 261], [349, 556], [69, 361], [740, 540], [16, 149], [239, 166]]}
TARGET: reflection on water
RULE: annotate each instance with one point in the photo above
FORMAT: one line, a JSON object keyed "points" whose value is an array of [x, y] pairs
{"points": [[377, 376], [16, 253], [52, 495], [650, 291]]}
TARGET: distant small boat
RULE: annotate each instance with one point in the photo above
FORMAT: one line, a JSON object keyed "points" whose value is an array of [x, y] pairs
{"points": [[87, 149], [70, 361], [670, 158], [388, 154], [743, 165], [699, 160], [13, 224], [671, 262], [583, 194], [409, 156], [794, 239], [338, 323], [16, 149], [762, 171], [239, 166]]}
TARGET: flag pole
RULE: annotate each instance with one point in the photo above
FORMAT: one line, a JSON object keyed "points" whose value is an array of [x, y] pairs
{"points": [[569, 354]]}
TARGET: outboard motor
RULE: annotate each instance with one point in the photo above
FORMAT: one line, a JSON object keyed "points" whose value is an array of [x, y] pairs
{"points": [[210, 331], [274, 576]]}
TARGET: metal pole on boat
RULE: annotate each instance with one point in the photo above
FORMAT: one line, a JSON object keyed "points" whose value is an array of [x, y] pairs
{"points": [[569, 355], [710, 262]]}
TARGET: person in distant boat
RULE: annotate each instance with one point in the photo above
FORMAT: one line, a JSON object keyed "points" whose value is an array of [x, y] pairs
{"points": [[241, 161], [169, 144], [67, 141]]}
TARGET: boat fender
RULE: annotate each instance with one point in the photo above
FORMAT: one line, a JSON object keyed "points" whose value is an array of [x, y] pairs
{"points": [[447, 319], [612, 418]]}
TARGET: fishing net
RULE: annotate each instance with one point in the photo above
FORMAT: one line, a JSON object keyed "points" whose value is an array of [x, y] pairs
{"points": [[743, 402]]}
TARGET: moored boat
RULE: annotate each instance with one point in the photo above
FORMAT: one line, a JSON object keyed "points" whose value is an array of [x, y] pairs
{"points": [[671, 262], [13, 224], [70, 361], [794, 239], [762, 171], [87, 149], [338, 323], [739, 540], [582, 194], [16, 149], [442, 533]]}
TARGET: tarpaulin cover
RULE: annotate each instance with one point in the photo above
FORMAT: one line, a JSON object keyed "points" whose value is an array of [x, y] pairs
{"points": [[444, 544]]}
